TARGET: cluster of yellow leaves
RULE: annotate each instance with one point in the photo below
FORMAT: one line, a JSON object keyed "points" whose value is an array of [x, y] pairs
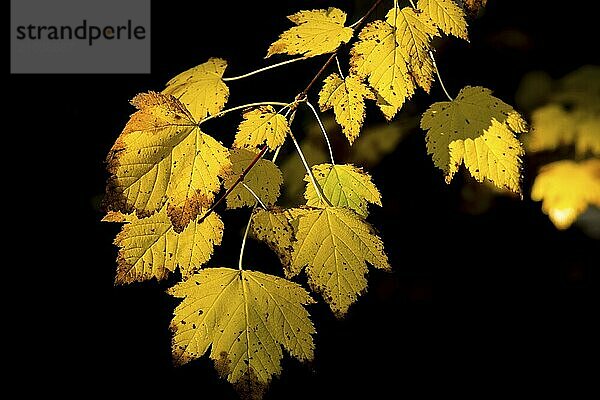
{"points": [[476, 129], [570, 120], [390, 59]]}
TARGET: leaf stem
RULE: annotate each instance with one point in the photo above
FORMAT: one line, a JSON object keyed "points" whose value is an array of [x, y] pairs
{"points": [[258, 200], [313, 180], [437, 71], [228, 110], [322, 130], [263, 69], [337, 61], [239, 179], [244, 240]]}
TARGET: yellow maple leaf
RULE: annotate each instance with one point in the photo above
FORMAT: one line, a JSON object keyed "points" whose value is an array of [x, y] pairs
{"points": [[567, 188], [347, 98], [377, 57], [245, 317], [414, 31], [276, 227], [335, 245], [475, 128], [162, 156], [344, 186], [262, 125], [446, 15], [150, 247], [264, 179], [201, 89], [317, 32], [553, 126]]}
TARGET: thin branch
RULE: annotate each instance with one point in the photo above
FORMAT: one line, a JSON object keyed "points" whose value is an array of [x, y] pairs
{"points": [[258, 200], [228, 110], [412, 3], [238, 180], [263, 69], [369, 11], [314, 80], [437, 71], [322, 130], [337, 61], [244, 240]]}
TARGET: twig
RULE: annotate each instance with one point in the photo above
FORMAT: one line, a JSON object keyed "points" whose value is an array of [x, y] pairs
{"points": [[322, 130], [263, 69]]}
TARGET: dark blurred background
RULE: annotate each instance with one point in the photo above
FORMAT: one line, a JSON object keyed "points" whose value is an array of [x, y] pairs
{"points": [[483, 299]]}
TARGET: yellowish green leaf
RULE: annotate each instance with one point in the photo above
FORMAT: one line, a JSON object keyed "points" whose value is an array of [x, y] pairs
{"points": [[377, 57], [474, 129], [414, 31], [446, 15], [316, 32], [264, 179], [262, 125], [335, 245], [344, 186], [161, 156], [201, 89], [150, 247], [347, 98], [566, 189], [245, 318]]}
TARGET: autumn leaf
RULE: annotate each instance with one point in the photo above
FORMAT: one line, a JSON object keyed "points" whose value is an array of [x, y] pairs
{"points": [[201, 89], [316, 32], [276, 227], [344, 186], [163, 156], [150, 247], [414, 31], [335, 245], [245, 317], [377, 57], [478, 129], [446, 15], [264, 179], [262, 125], [347, 98], [566, 189]]}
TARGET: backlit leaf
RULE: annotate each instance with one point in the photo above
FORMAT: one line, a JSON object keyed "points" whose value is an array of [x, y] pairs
{"points": [[475, 128], [344, 186], [201, 89], [316, 32], [446, 15], [347, 98], [245, 318], [264, 179], [150, 247], [162, 156], [377, 57], [335, 245], [262, 125]]}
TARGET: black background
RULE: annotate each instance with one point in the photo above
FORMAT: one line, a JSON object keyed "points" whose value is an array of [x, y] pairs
{"points": [[477, 304]]}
